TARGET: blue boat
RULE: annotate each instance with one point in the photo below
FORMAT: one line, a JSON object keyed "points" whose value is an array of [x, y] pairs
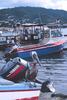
{"points": [[48, 41]]}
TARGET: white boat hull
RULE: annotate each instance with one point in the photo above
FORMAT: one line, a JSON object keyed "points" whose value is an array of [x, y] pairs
{"points": [[19, 95], [22, 91]]}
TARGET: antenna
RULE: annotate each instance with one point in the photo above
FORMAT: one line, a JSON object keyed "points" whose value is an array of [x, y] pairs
{"points": [[40, 18]]}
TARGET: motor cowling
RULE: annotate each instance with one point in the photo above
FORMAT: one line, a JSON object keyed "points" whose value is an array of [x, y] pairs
{"points": [[18, 69]]}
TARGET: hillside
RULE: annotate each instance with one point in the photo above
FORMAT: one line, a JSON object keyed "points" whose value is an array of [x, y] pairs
{"points": [[32, 14]]}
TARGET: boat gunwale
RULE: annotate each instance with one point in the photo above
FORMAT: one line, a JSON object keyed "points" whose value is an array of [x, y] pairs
{"points": [[39, 46]]}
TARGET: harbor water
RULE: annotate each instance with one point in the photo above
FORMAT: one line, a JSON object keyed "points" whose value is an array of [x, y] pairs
{"points": [[54, 67]]}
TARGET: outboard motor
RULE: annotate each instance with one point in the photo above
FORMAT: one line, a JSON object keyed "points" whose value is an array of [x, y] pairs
{"points": [[15, 70], [18, 69]]}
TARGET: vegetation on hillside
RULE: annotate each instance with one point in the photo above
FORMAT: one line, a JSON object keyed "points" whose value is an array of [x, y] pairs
{"points": [[32, 15]]}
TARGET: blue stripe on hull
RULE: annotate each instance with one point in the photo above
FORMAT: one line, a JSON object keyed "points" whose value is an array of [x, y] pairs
{"points": [[43, 51], [20, 86]]}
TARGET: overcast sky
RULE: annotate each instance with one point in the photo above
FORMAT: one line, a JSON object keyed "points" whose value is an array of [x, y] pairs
{"points": [[53, 4]]}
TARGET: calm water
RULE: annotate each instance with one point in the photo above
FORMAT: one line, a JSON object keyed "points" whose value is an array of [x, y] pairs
{"points": [[55, 68]]}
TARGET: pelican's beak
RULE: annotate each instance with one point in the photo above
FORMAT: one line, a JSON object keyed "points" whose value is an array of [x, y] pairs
{"points": [[51, 88], [38, 61]]}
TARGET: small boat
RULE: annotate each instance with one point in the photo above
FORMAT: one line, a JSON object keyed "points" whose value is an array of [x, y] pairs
{"points": [[25, 90], [48, 41], [7, 39]]}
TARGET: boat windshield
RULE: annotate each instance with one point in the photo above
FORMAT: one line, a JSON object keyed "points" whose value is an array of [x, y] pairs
{"points": [[56, 33]]}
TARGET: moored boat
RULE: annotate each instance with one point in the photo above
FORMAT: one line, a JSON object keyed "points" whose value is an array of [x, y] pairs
{"points": [[26, 90], [19, 91], [49, 41], [7, 39]]}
